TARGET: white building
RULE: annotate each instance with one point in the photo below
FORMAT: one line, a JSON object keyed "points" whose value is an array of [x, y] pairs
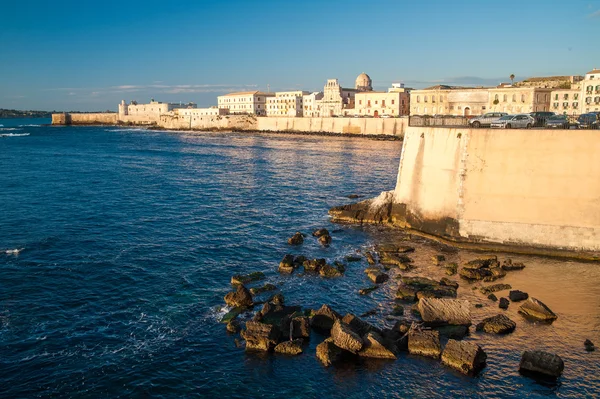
{"points": [[312, 104], [394, 102], [148, 112], [211, 111], [590, 91], [337, 101], [247, 102], [286, 103]]}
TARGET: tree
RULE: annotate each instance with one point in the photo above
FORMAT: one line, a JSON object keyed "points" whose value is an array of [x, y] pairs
{"points": [[512, 78]]}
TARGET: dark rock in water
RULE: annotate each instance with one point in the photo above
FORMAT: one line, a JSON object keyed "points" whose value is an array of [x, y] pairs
{"points": [[325, 240], [357, 325], [374, 347], [377, 277], [398, 310], [503, 303], [290, 347], [474, 274], [542, 362], [324, 318], [535, 309], [277, 299], [353, 258], [419, 282], [492, 297], [370, 258], [406, 293], [480, 263], [233, 327], [517, 296], [369, 313], [589, 345], [246, 278], [286, 266], [439, 291], [451, 269], [435, 312], [344, 337], [368, 290], [437, 259], [265, 288], [497, 272], [300, 327], [394, 249], [314, 265], [508, 265], [241, 297], [299, 260], [328, 353], [499, 324], [320, 232], [353, 196], [453, 332], [479, 305], [260, 336], [466, 357], [296, 239], [278, 315], [424, 343], [340, 266], [449, 283], [329, 271], [401, 261], [494, 288], [232, 314]]}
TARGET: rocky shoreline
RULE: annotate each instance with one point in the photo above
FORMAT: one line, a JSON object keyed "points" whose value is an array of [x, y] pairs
{"points": [[430, 319]]}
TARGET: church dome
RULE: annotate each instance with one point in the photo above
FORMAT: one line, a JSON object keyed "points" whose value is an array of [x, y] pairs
{"points": [[363, 82]]}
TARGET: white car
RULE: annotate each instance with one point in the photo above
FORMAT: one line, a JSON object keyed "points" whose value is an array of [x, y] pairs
{"points": [[520, 121]]}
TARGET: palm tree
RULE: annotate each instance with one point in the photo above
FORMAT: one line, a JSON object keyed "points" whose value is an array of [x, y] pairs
{"points": [[512, 79]]}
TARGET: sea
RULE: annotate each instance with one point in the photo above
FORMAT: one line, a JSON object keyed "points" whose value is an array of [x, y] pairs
{"points": [[117, 246]]}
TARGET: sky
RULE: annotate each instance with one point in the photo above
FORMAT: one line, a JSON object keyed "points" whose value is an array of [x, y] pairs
{"points": [[89, 55]]}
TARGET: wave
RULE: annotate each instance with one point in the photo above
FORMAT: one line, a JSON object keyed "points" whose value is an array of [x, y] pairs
{"points": [[30, 125], [126, 130], [15, 251], [13, 134], [10, 128]]}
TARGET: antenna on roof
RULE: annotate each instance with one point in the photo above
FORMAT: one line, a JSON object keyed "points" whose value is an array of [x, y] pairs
{"points": [[268, 88]]}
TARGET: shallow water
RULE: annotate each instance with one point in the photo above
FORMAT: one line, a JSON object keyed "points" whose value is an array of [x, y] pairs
{"points": [[129, 238]]}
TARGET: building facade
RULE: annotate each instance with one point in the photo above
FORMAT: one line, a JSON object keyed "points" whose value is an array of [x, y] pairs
{"points": [[211, 111], [312, 104], [590, 91], [286, 103], [515, 100], [337, 101], [394, 102], [566, 101], [449, 100], [247, 102], [148, 112]]}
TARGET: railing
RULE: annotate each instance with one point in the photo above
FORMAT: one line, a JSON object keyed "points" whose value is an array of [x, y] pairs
{"points": [[438, 120], [572, 121]]}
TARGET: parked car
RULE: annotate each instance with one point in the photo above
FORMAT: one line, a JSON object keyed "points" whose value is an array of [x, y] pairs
{"points": [[386, 116], [486, 119], [558, 122], [514, 121], [588, 121], [540, 117]]}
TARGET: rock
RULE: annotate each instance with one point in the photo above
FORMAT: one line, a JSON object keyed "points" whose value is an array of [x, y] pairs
{"points": [[394, 249], [260, 336], [340, 266], [453, 332], [398, 310], [278, 315], [378, 277], [368, 290], [296, 239], [448, 283], [344, 337], [233, 327], [499, 324], [474, 274], [300, 327], [299, 260], [360, 327], [542, 363], [440, 291], [324, 318], [369, 313], [401, 261], [424, 343], [492, 297], [277, 299], [517, 296], [406, 293], [286, 266], [451, 269], [419, 282], [241, 297], [374, 346], [508, 265], [466, 357], [535, 309], [320, 232], [437, 259], [484, 262], [246, 278], [353, 196], [589, 345], [503, 303], [265, 288], [370, 258], [289, 347], [496, 273], [353, 258], [444, 311], [232, 314], [494, 288], [479, 305], [328, 353], [314, 265], [325, 240], [329, 271]]}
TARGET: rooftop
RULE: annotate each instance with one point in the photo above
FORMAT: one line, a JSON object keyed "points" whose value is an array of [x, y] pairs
{"points": [[595, 70], [246, 93]]}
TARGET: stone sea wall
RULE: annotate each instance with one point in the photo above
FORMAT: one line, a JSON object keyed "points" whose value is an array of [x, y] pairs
{"points": [[85, 119], [534, 188]]}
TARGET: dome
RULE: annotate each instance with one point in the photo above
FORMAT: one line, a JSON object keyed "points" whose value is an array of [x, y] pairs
{"points": [[363, 82]]}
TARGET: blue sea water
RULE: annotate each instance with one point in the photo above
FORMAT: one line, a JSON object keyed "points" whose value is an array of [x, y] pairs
{"points": [[126, 241]]}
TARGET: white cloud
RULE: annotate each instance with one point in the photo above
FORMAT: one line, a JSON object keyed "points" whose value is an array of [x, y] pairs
{"points": [[595, 14]]}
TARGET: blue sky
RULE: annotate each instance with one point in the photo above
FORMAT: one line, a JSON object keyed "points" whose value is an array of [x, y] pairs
{"points": [[85, 55]]}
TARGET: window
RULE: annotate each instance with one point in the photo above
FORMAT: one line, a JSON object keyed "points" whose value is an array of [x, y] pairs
{"points": [[575, 105], [359, 102], [589, 89], [522, 98], [432, 99], [555, 105], [418, 99], [556, 96], [368, 103], [565, 105], [504, 98], [514, 98], [576, 96], [392, 102], [376, 102], [425, 99], [383, 103], [496, 97]]}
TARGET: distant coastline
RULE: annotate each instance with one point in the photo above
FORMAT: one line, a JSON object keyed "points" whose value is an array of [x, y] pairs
{"points": [[14, 113]]}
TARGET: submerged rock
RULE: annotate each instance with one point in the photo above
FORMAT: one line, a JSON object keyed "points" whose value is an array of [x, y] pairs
{"points": [[296, 239], [377, 277], [233, 326], [589, 345], [406, 293], [374, 347], [265, 288], [353, 258], [542, 362], [241, 297], [499, 324], [232, 314], [320, 232], [329, 271], [437, 259], [260, 336], [451, 269], [314, 265], [325, 240], [289, 347], [246, 278], [517, 296], [401, 261], [466, 357], [328, 353], [368, 290], [494, 288], [344, 337], [508, 265], [324, 318], [277, 299], [287, 266], [536, 309], [444, 311], [424, 343], [493, 297], [503, 304]]}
